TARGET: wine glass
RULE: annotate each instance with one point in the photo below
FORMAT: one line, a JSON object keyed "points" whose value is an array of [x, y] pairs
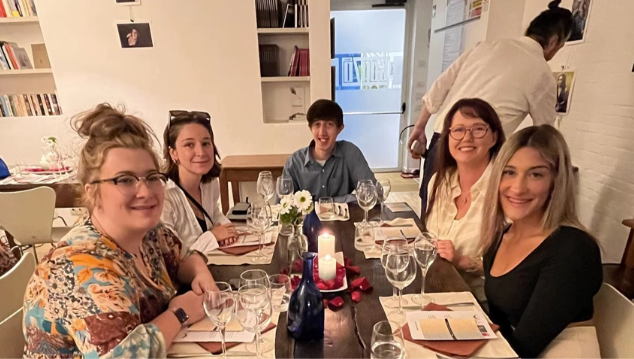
{"points": [[219, 305], [425, 254], [387, 341], [259, 219], [383, 188], [284, 186], [366, 198], [254, 312], [254, 277], [265, 185], [281, 290], [400, 270], [391, 243]]}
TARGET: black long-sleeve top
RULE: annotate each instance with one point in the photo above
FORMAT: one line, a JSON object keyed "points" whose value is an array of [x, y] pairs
{"points": [[550, 289]]}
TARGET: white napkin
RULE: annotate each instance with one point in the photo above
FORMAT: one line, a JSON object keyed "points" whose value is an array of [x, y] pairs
{"points": [[205, 243]]}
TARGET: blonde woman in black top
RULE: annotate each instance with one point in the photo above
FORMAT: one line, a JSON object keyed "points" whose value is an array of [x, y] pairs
{"points": [[542, 268]]}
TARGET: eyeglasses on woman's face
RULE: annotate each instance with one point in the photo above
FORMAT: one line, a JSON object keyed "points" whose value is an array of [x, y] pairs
{"points": [[129, 184], [477, 131]]}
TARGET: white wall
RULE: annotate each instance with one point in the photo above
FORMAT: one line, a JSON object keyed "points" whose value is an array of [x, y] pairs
{"points": [[205, 58], [600, 126]]}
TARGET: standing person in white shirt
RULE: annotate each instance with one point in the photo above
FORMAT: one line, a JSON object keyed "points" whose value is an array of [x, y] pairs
{"points": [[512, 75], [191, 206]]}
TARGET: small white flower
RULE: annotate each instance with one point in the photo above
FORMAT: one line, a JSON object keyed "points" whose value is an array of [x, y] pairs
{"points": [[287, 202], [303, 200]]}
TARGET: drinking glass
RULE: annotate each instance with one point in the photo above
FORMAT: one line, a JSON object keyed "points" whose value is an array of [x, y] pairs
{"points": [[219, 305], [326, 208], [391, 243], [284, 186], [383, 188], [254, 312], [400, 270], [254, 277], [366, 198], [265, 185], [425, 254], [259, 219], [387, 341], [364, 237], [281, 291]]}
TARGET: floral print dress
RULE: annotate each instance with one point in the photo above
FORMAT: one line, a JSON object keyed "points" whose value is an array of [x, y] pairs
{"points": [[88, 299]]}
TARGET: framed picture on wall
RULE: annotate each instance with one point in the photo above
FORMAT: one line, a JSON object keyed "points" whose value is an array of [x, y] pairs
{"points": [[580, 15], [135, 34], [128, 2], [565, 81]]}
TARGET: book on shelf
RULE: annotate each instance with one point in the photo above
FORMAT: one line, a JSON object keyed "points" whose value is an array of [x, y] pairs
{"points": [[17, 8], [269, 60], [25, 105], [281, 13], [13, 57], [300, 63]]}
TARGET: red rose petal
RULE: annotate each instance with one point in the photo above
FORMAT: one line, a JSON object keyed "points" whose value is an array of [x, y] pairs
{"points": [[297, 266], [322, 286], [284, 271], [354, 269], [356, 296], [330, 284], [295, 282], [347, 261], [361, 283], [336, 302], [325, 303]]}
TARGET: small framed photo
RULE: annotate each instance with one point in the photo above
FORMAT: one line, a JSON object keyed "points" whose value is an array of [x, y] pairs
{"points": [[580, 16], [128, 2], [565, 81], [135, 34]]}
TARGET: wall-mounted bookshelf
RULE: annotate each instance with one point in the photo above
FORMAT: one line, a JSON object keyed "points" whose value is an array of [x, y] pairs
{"points": [[284, 31], [286, 79], [25, 69]]}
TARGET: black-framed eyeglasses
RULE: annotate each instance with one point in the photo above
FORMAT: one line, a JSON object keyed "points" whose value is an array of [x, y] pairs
{"points": [[175, 115], [129, 184], [477, 131]]}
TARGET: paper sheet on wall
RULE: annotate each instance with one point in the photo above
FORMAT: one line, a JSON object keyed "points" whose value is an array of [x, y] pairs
{"points": [[452, 47]]}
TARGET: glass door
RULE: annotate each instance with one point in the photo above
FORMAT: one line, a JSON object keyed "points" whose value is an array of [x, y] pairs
{"points": [[369, 46]]}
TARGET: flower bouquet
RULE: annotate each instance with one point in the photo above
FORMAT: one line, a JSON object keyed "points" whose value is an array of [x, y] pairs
{"points": [[295, 207]]}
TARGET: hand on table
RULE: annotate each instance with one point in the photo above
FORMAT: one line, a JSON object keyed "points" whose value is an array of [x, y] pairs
{"points": [[203, 281], [226, 234], [191, 303], [446, 249]]}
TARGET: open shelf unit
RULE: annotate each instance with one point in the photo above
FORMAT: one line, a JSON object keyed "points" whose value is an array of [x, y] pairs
{"points": [[25, 72], [286, 79], [19, 20], [283, 30]]}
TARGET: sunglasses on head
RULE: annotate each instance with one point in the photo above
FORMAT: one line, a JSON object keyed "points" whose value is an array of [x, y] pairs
{"points": [[176, 115]]}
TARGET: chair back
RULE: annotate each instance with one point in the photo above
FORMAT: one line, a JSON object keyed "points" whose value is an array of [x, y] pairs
{"points": [[28, 215], [614, 320], [13, 285], [12, 336]]}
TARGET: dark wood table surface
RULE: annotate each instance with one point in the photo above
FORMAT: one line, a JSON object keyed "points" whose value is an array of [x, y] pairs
{"points": [[67, 192], [348, 331]]}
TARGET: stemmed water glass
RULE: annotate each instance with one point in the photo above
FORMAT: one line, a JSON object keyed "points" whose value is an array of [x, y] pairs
{"points": [[391, 243], [254, 311], [400, 270], [425, 254], [259, 219], [265, 186], [387, 341], [254, 277], [383, 188], [219, 305], [366, 198], [284, 186]]}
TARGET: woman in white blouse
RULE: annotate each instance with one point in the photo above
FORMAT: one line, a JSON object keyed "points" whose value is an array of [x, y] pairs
{"points": [[471, 138], [191, 206]]}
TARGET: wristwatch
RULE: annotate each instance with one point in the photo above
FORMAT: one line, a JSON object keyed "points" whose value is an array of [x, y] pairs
{"points": [[180, 315]]}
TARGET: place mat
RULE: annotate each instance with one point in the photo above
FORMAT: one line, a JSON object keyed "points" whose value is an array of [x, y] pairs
{"points": [[460, 348], [194, 349], [216, 348], [400, 222], [242, 250], [494, 348], [219, 257], [397, 207], [342, 213]]}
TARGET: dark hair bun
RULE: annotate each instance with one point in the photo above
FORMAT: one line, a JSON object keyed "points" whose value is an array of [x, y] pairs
{"points": [[554, 4]]}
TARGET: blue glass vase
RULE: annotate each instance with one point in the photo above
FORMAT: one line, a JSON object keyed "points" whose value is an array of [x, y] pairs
{"points": [[306, 308], [312, 229], [4, 170]]}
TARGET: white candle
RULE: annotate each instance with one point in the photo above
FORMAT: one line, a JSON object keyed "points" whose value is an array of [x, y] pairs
{"points": [[325, 245], [327, 267]]}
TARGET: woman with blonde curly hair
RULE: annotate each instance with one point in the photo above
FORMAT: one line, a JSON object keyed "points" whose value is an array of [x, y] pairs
{"points": [[542, 268], [108, 288]]}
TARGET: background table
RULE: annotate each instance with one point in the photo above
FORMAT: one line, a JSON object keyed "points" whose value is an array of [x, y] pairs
{"points": [[236, 169], [67, 192], [348, 331]]}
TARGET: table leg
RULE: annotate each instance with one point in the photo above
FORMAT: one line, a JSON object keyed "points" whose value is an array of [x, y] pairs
{"points": [[235, 189], [224, 192]]}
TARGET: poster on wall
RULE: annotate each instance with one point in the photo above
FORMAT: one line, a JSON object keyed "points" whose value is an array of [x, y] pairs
{"points": [[580, 14], [475, 9], [565, 80], [135, 34]]}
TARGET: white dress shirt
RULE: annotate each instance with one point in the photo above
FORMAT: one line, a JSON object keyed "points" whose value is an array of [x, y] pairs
{"points": [[179, 216], [511, 75], [463, 232]]}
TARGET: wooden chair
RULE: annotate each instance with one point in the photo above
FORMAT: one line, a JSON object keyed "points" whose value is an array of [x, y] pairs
{"points": [[614, 320], [13, 285]]}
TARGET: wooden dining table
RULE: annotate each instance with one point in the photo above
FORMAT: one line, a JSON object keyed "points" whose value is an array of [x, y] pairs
{"points": [[348, 330], [67, 192]]}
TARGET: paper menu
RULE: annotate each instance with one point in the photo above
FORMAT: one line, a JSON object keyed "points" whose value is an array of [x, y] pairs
{"points": [[187, 336], [206, 325], [449, 325]]}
